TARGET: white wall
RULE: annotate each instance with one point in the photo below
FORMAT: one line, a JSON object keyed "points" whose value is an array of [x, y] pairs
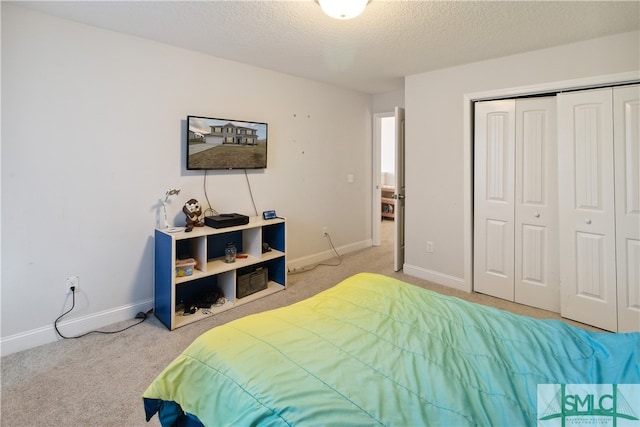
{"points": [[435, 140], [93, 126], [386, 102]]}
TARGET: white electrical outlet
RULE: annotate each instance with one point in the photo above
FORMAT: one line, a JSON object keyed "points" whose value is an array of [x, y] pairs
{"points": [[325, 230], [72, 281], [430, 247]]}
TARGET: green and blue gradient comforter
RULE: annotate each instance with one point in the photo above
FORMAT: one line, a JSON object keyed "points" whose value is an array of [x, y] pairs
{"points": [[375, 350]]}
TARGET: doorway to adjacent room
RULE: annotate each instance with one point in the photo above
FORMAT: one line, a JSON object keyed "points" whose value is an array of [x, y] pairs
{"points": [[388, 182]]}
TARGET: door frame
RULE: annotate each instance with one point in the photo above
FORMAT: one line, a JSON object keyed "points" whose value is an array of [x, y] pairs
{"points": [[470, 98]]}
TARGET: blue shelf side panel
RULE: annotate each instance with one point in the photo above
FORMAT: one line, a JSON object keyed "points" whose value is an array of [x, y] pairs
{"points": [[277, 270], [273, 234], [163, 277]]}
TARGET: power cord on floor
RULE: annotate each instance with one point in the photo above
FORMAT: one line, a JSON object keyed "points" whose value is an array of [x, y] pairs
{"points": [[333, 249], [141, 315]]}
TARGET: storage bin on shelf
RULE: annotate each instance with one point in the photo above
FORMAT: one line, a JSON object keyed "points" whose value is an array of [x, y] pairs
{"points": [[184, 267]]}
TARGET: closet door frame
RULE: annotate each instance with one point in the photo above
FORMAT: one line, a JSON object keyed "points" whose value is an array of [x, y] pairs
{"points": [[468, 101]]}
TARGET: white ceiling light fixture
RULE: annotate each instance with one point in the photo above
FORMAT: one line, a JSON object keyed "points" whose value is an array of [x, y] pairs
{"points": [[343, 9]]}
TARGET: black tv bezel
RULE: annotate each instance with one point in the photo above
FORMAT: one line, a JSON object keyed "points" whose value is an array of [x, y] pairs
{"points": [[266, 143]]}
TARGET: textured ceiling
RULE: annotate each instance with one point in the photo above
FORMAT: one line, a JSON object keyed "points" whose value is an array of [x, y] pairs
{"points": [[371, 53]]}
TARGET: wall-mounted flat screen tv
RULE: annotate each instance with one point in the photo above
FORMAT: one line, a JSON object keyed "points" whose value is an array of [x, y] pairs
{"points": [[225, 144]]}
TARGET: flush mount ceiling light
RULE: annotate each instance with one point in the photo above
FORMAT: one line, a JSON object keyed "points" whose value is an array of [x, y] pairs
{"points": [[343, 9]]}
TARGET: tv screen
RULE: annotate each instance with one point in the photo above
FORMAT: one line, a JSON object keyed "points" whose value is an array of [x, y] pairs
{"points": [[225, 144]]}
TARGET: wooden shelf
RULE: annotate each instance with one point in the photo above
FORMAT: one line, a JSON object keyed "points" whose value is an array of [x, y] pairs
{"points": [[206, 245]]}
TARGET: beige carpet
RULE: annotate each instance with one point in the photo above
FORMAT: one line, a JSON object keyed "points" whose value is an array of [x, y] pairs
{"points": [[98, 380]]}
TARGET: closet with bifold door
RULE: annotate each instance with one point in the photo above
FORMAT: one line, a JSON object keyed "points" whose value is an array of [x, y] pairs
{"points": [[557, 204], [516, 202]]}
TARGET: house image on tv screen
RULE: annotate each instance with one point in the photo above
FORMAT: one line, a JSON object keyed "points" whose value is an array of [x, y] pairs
{"points": [[231, 134], [213, 144]]}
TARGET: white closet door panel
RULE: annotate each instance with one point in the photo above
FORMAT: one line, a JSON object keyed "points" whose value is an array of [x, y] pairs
{"points": [[626, 101], [494, 142], [586, 206], [537, 275]]}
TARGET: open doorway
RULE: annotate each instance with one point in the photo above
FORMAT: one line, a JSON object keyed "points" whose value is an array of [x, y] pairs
{"points": [[387, 198], [381, 122]]}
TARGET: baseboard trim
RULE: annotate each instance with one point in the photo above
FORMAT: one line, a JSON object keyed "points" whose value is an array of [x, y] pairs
{"points": [[436, 277], [299, 264], [79, 325], [72, 327]]}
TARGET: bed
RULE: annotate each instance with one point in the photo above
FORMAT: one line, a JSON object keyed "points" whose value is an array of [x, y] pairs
{"points": [[375, 350]]}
